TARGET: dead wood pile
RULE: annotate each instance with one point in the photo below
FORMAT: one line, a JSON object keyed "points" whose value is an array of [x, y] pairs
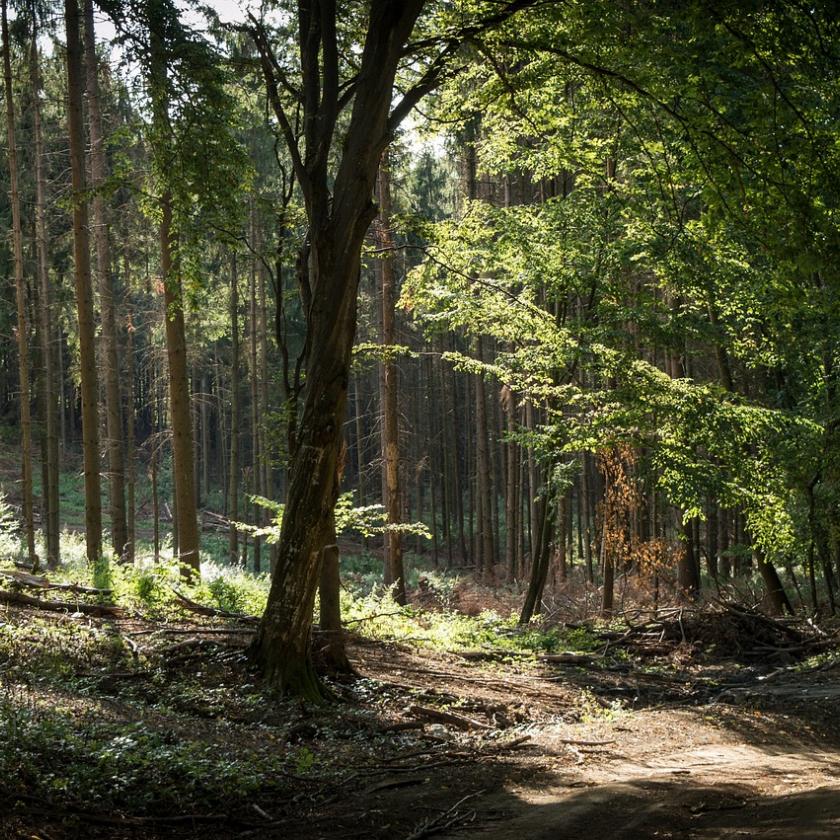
{"points": [[723, 629]]}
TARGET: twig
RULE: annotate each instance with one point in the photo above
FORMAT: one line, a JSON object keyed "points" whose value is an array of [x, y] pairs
{"points": [[372, 617], [444, 821]]}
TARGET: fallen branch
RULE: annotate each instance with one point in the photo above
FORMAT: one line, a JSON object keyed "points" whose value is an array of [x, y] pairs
{"points": [[458, 721], [511, 745], [567, 658], [201, 609], [372, 617], [402, 726], [38, 582], [197, 631], [61, 606]]}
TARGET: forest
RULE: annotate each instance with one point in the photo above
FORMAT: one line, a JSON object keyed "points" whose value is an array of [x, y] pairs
{"points": [[420, 419]]}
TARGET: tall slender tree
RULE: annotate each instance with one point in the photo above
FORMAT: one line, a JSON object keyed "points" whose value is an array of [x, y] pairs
{"points": [[52, 406], [105, 284], [20, 297], [233, 480], [183, 455], [84, 291], [389, 388]]}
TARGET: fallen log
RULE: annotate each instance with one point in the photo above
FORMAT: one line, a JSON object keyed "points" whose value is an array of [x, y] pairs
{"points": [[491, 655], [39, 582], [567, 658], [61, 606], [201, 609]]}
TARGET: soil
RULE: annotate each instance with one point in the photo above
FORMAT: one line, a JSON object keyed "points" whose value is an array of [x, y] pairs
{"points": [[536, 750]]}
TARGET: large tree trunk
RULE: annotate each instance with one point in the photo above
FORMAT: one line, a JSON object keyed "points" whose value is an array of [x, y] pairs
{"points": [[20, 295], [332, 651], [282, 646], [394, 573], [84, 292]]}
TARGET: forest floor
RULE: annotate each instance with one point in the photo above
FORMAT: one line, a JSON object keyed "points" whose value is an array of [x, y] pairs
{"points": [[133, 728]]}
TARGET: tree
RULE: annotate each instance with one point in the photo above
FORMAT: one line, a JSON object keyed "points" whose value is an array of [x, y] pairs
{"points": [[20, 297], [196, 173], [388, 386], [339, 210], [233, 480], [105, 283], [52, 407], [84, 291]]}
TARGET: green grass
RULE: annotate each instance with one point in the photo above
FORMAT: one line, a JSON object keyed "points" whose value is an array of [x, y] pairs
{"points": [[367, 607]]}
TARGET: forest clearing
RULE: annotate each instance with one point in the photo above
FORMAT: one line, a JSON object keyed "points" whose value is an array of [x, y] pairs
{"points": [[420, 419]]}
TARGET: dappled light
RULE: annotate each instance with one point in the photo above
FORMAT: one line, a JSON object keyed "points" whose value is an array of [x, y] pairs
{"points": [[419, 419]]}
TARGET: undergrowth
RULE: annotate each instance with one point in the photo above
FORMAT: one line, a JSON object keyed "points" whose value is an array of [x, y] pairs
{"points": [[62, 753], [149, 589]]}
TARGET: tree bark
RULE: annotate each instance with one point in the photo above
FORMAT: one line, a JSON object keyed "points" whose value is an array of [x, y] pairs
{"points": [[130, 440], [282, 646], [331, 648], [688, 579], [511, 476], [253, 379], [484, 476], [20, 297], [540, 564], [266, 473], [777, 598], [185, 518], [608, 563]]}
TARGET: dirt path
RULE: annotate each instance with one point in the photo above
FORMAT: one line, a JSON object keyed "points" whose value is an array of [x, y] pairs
{"points": [[701, 754], [675, 776]]}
